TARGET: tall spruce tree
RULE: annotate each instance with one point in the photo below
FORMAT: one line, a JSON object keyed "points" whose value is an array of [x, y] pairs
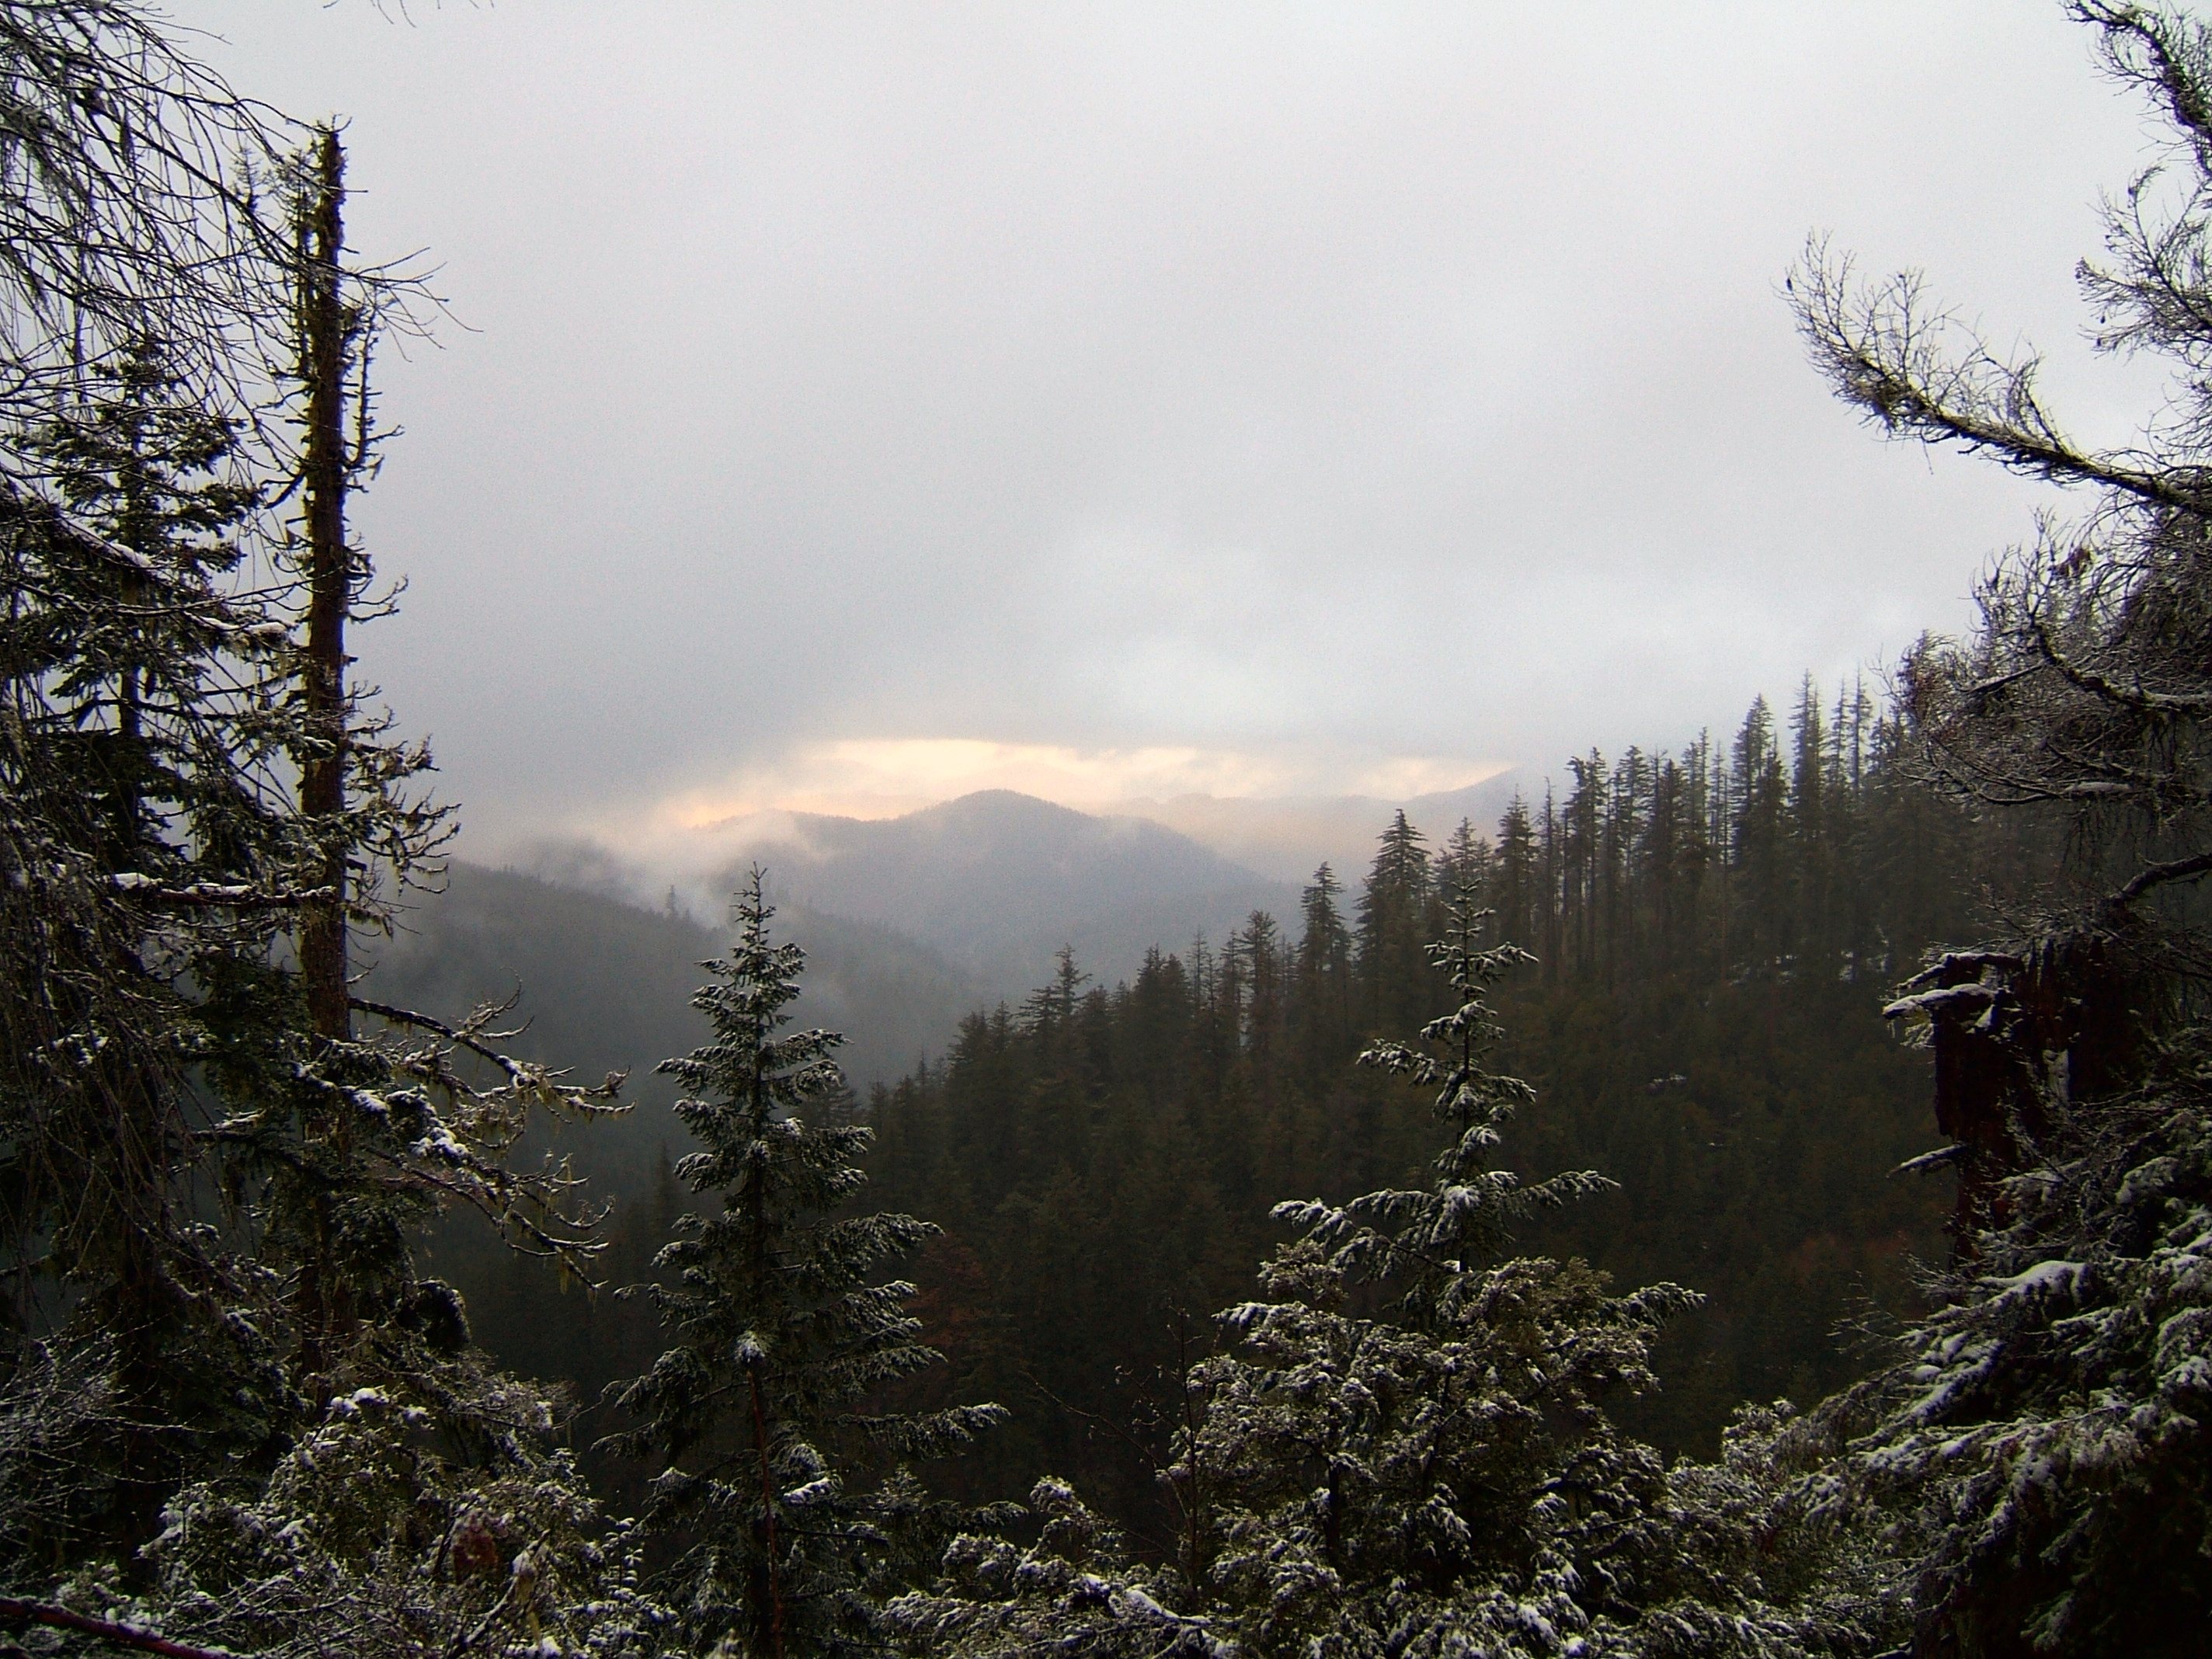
{"points": [[137, 845], [1322, 971], [1393, 915], [786, 1334], [1420, 1242]]}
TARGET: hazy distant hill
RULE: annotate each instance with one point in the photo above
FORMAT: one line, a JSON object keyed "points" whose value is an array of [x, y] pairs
{"points": [[606, 986], [994, 882], [909, 923], [998, 881]]}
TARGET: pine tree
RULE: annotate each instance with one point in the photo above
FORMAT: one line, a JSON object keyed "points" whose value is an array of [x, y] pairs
{"points": [[1323, 996], [137, 842], [1421, 1240], [785, 1331], [1513, 893], [1076, 1592], [167, 1101]]}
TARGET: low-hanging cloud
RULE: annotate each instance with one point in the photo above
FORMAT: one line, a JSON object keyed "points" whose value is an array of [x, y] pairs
{"points": [[1233, 380], [693, 828]]}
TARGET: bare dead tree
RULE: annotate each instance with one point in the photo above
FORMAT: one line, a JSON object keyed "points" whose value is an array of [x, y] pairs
{"points": [[327, 339]]}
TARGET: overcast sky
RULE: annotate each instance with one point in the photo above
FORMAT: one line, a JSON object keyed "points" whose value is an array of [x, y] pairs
{"points": [[874, 400]]}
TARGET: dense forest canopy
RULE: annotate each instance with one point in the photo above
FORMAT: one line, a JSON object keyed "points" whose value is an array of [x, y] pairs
{"points": [[1421, 1274]]}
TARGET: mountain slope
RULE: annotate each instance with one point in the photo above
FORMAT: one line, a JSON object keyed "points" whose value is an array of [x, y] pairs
{"points": [[997, 881], [606, 986]]}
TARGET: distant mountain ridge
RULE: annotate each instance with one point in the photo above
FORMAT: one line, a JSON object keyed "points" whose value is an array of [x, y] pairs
{"points": [[909, 924], [606, 985], [997, 881]]}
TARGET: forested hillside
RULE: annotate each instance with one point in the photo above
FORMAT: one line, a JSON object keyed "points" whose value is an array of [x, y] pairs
{"points": [[1714, 934], [1714, 938], [603, 986], [1411, 1272]]}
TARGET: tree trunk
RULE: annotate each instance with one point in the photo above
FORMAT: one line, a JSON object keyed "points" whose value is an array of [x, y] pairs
{"points": [[323, 330]]}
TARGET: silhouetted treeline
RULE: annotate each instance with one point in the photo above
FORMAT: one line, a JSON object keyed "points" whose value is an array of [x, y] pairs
{"points": [[1807, 847]]}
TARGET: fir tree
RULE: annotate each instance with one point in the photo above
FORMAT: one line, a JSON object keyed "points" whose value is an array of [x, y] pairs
{"points": [[1401, 1483], [1421, 1240], [1323, 970], [1513, 892], [785, 1331], [167, 1099], [130, 678], [1394, 905], [1441, 1479]]}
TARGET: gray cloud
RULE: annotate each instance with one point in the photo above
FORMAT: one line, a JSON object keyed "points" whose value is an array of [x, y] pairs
{"points": [[1395, 379]]}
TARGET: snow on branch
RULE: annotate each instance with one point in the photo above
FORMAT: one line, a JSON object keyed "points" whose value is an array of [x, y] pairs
{"points": [[106, 1630], [211, 894]]}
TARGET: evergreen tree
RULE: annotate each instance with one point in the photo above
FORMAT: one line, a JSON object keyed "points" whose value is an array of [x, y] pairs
{"points": [[1420, 1241], [1076, 1591], [1513, 893], [166, 1098], [1394, 906], [1323, 982], [1441, 1479], [1759, 789], [786, 1333], [137, 842], [2037, 1452]]}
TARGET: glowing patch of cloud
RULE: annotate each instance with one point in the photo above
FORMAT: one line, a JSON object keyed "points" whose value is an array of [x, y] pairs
{"points": [[883, 777], [1278, 810]]}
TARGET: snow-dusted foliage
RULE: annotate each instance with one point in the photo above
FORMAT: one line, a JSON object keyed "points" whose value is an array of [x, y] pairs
{"points": [[786, 1329], [1370, 1485], [2044, 1452], [1761, 1553], [1421, 1242], [219, 1197], [2032, 1473], [1075, 1591], [1406, 1450], [2039, 1457], [207, 1201], [442, 1517]]}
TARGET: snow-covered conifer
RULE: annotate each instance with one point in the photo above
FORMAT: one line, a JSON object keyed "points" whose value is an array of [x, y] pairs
{"points": [[1411, 1436], [1076, 1591], [2038, 1449], [1423, 1242], [178, 1142], [786, 1333], [1406, 1450]]}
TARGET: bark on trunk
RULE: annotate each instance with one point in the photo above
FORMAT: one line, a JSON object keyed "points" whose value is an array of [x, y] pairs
{"points": [[324, 469]]}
